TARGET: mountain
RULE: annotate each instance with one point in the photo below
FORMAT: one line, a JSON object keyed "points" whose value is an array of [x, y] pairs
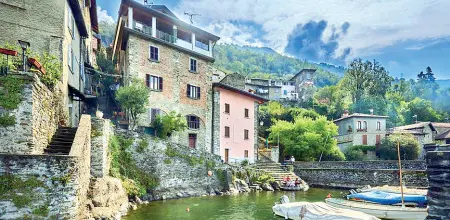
{"points": [[339, 70], [443, 83], [266, 63]]}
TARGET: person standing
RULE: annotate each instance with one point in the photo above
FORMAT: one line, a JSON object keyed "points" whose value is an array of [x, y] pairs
{"points": [[292, 159]]}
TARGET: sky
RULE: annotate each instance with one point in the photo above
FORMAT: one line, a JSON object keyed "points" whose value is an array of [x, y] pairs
{"points": [[405, 36]]}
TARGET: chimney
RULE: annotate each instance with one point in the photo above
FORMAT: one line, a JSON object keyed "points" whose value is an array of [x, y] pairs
{"points": [[371, 111], [345, 114]]}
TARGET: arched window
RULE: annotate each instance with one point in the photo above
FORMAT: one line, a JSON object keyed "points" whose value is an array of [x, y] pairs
{"points": [[378, 126], [193, 122], [365, 125]]}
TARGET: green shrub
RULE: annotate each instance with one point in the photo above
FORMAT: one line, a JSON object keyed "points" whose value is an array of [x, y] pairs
{"points": [[244, 163], [358, 152], [334, 155], [41, 211], [52, 67], [409, 147], [167, 161], [210, 164], [11, 93], [167, 124], [142, 145], [7, 120]]}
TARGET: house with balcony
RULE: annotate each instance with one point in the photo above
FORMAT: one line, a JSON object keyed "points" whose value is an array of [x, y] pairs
{"points": [[264, 88], [235, 120], [174, 60], [360, 129]]}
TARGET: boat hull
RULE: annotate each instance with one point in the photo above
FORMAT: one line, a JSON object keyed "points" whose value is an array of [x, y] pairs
{"points": [[381, 211]]}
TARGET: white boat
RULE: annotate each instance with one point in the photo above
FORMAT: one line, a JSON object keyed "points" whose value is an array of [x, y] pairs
{"points": [[317, 210], [393, 212]]}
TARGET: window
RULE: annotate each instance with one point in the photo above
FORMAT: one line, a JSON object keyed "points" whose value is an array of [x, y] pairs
{"points": [[364, 139], [285, 92], [365, 125], [193, 92], [192, 140], [246, 112], [192, 65], [378, 126], [245, 134], [246, 153], [70, 23], [193, 121], [227, 131], [154, 53], [359, 126], [154, 113], [154, 82], [227, 108], [69, 58]]}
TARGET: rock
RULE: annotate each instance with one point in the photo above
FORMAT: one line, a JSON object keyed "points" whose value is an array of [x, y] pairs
{"points": [[109, 198], [137, 200], [241, 185], [163, 197], [276, 185], [180, 195], [133, 206], [267, 187]]}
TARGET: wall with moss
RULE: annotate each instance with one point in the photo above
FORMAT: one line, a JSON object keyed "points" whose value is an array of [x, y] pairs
{"points": [[29, 114], [177, 171], [40, 187]]}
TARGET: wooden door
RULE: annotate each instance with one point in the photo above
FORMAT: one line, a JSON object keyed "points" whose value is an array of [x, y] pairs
{"points": [[226, 155], [192, 140], [364, 139], [378, 141]]}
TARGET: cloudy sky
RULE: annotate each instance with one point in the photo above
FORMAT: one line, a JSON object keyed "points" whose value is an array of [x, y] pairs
{"points": [[406, 36]]}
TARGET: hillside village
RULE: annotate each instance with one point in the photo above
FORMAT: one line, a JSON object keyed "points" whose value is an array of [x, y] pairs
{"points": [[92, 131]]}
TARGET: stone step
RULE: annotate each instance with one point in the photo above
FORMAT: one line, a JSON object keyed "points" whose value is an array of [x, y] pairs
{"points": [[61, 151]]}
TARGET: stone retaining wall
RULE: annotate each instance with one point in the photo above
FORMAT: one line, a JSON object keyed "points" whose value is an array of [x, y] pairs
{"points": [[438, 171], [360, 173], [178, 176], [101, 132], [37, 118], [54, 186]]}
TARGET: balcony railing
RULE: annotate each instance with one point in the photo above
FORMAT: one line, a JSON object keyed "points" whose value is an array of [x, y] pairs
{"points": [[344, 138], [199, 47]]}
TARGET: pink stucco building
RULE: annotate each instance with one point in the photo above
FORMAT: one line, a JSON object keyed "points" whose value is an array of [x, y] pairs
{"points": [[235, 120]]}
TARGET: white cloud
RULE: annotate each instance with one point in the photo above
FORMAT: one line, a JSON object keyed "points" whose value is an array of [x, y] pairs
{"points": [[102, 15], [373, 24]]}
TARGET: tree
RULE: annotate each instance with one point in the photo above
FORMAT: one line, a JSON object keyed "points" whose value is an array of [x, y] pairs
{"points": [[376, 103], [306, 138], [420, 107], [165, 125], [133, 98], [409, 147], [333, 99], [366, 78]]}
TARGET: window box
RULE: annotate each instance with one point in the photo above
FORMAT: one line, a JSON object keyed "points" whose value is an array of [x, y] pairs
{"points": [[38, 65]]}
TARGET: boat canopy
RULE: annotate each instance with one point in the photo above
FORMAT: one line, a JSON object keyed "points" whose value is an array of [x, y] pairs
{"points": [[387, 198]]}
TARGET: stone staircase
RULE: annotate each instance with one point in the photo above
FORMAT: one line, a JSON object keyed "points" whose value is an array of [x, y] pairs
{"points": [[61, 142], [275, 169]]}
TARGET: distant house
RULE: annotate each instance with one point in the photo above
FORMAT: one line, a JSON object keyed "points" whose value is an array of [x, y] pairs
{"points": [[444, 138], [293, 89], [360, 129], [426, 133], [235, 120]]}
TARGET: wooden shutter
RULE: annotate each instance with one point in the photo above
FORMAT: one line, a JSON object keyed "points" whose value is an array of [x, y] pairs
{"points": [[147, 80], [364, 139], [160, 83], [198, 92], [188, 90], [378, 139]]}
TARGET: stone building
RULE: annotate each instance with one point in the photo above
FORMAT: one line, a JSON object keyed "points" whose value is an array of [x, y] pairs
{"points": [[62, 28], [174, 59], [298, 88], [235, 120], [360, 129]]}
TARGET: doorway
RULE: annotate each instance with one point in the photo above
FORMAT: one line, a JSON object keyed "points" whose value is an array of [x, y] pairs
{"points": [[227, 151]]}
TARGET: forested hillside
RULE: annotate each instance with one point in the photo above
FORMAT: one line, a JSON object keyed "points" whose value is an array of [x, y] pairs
{"points": [[266, 63]]}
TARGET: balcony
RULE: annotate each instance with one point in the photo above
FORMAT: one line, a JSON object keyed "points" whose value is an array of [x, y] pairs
{"points": [[344, 138], [199, 47]]}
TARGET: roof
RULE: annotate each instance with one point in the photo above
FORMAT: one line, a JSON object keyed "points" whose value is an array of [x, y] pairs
{"points": [[440, 125], [162, 9], [443, 136], [400, 131], [242, 92], [170, 17], [415, 126], [254, 84], [93, 13], [78, 16], [360, 115], [303, 70]]}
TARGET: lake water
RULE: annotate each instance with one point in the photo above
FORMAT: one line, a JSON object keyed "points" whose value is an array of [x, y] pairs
{"points": [[256, 205]]}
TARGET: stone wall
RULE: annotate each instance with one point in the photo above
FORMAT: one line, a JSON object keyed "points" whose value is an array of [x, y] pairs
{"points": [[179, 176], [438, 171], [360, 173], [37, 118], [216, 122], [101, 132]]}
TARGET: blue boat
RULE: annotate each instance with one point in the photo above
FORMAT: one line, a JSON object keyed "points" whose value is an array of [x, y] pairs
{"points": [[387, 198]]}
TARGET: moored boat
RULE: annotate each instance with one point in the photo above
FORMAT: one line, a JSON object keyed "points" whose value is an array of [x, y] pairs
{"points": [[393, 212], [317, 210], [387, 198], [394, 189]]}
